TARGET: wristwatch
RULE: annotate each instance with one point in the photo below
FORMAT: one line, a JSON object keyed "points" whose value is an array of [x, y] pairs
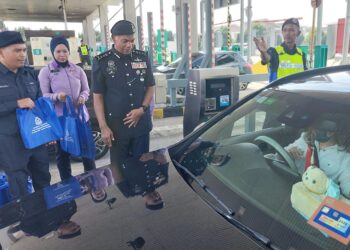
{"points": [[144, 107]]}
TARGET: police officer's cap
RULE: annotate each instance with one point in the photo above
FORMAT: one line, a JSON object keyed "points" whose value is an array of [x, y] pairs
{"points": [[123, 27], [8, 38], [291, 21]]}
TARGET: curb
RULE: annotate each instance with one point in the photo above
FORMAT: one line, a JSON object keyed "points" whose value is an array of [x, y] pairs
{"points": [[159, 113]]}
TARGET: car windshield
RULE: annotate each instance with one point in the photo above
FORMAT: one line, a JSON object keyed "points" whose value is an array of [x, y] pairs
{"points": [[257, 160]]}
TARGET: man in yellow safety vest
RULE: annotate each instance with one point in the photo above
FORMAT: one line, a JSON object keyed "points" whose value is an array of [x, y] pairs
{"points": [[286, 58], [84, 53]]}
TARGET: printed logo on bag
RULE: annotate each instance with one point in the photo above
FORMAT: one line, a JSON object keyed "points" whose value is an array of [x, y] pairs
{"points": [[40, 125], [68, 137], [38, 121]]}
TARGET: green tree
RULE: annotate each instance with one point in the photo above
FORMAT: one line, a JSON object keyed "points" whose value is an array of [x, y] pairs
{"points": [[171, 36], [259, 28], [2, 25], [21, 29], [98, 36], [45, 28], [225, 33]]}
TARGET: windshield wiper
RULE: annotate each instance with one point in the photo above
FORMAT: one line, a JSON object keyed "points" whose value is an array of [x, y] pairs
{"points": [[228, 213], [207, 190]]}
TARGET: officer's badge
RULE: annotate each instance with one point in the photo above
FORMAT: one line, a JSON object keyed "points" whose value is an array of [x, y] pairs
{"points": [[143, 71], [138, 65], [111, 63], [138, 60], [111, 68], [138, 72]]}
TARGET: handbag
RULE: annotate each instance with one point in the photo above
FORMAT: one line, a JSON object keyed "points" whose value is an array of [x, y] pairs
{"points": [[69, 121], [39, 125], [86, 140]]}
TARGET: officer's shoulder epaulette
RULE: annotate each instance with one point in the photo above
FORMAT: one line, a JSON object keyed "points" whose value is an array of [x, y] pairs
{"points": [[103, 55], [139, 52]]}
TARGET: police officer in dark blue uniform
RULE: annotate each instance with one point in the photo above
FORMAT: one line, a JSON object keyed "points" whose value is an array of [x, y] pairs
{"points": [[123, 86], [19, 88]]}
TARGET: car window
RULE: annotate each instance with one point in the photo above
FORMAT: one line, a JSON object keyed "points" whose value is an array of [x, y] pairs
{"points": [[175, 63], [247, 159], [195, 56], [224, 59], [251, 122]]}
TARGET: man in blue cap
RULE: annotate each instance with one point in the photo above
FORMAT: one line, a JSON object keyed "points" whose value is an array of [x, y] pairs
{"points": [[19, 88], [286, 58], [123, 86]]}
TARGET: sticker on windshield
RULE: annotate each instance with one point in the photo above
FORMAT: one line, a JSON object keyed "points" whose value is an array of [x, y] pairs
{"points": [[265, 100], [333, 218]]}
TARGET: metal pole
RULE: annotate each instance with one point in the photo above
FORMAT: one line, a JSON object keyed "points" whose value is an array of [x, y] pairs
{"points": [[346, 35], [212, 64], [150, 38], [63, 2], [178, 14], [241, 32], [312, 39], [162, 32], [183, 65], [202, 22], [189, 40], [141, 42], [207, 61], [229, 18], [249, 30], [319, 25], [138, 21]]}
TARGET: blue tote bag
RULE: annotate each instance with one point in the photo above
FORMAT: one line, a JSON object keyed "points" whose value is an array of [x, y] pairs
{"points": [[69, 121], [39, 125], [87, 144]]}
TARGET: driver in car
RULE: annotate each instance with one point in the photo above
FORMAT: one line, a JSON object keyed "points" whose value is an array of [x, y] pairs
{"points": [[327, 146]]}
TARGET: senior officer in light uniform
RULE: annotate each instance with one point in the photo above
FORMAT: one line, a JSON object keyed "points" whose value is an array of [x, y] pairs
{"points": [[19, 88], [123, 86]]}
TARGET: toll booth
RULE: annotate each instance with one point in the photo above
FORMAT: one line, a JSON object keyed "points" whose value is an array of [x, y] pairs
{"points": [[208, 92]]}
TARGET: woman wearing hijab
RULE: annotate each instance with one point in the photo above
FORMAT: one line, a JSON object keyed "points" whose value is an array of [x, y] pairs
{"points": [[60, 79]]}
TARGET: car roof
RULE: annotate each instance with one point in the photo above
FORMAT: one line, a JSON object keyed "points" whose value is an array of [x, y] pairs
{"points": [[336, 78], [317, 86]]}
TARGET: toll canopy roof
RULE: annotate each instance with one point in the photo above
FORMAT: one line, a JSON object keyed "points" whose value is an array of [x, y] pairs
{"points": [[47, 10]]}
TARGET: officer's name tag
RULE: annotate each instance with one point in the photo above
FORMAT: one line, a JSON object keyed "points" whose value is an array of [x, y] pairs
{"points": [[139, 65]]}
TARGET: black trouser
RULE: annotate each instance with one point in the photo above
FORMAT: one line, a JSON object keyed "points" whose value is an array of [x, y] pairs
{"points": [[19, 163], [64, 166], [85, 59]]}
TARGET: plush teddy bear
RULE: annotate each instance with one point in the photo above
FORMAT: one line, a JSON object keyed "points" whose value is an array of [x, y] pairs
{"points": [[308, 194]]}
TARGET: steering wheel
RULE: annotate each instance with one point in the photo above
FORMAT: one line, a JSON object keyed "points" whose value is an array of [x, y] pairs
{"points": [[280, 150]]}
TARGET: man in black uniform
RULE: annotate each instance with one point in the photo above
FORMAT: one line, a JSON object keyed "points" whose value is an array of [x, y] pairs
{"points": [[19, 88], [123, 86]]}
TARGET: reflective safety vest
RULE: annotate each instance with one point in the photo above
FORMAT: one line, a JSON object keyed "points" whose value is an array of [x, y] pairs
{"points": [[289, 64], [84, 50]]}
